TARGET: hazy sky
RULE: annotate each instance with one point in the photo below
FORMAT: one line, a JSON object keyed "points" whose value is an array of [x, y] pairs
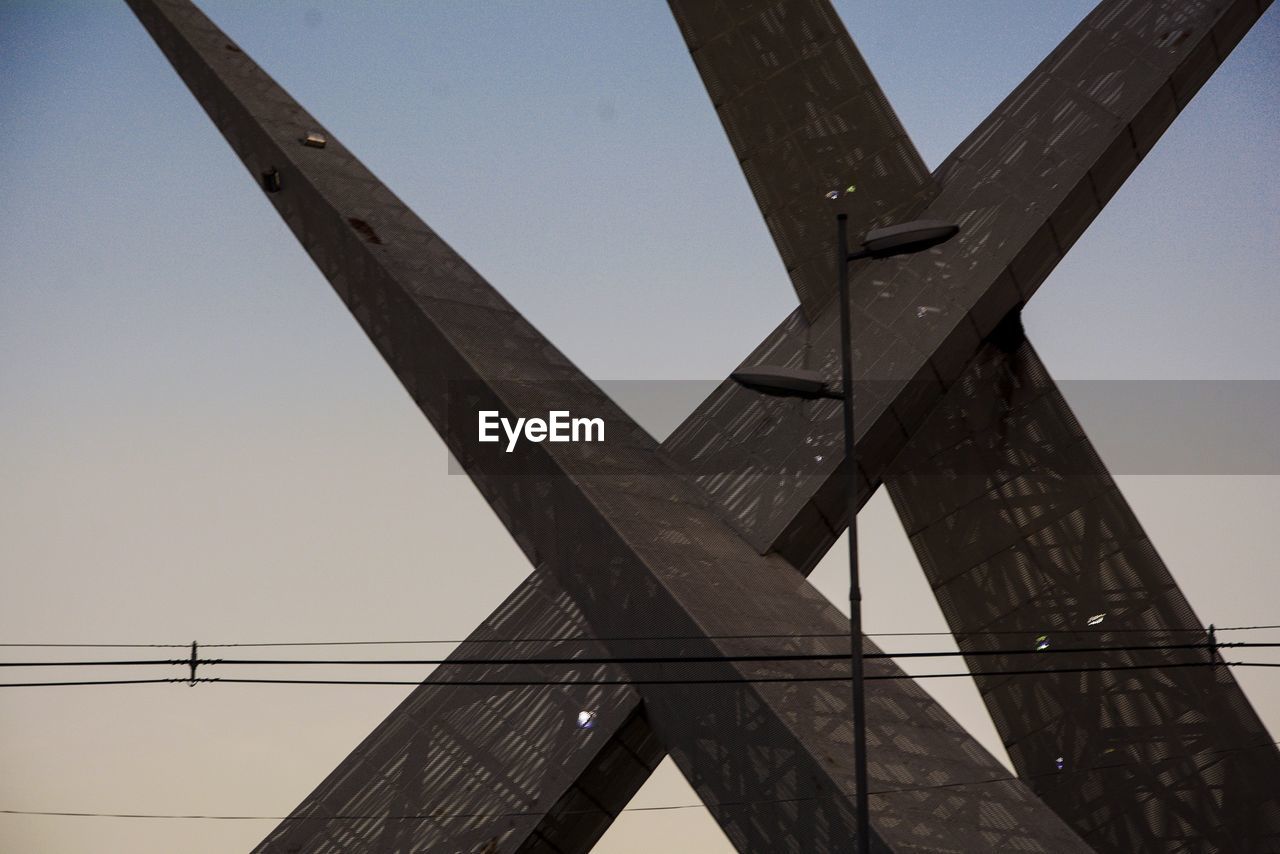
{"points": [[199, 442]]}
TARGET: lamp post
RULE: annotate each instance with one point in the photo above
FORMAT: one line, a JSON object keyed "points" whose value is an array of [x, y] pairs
{"points": [[902, 239]]}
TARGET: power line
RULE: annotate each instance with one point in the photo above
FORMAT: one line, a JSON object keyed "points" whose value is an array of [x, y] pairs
{"points": [[605, 639], [693, 659], [519, 683], [75, 683], [439, 816]]}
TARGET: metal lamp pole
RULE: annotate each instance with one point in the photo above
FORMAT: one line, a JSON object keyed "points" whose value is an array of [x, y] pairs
{"points": [[790, 381], [887, 242], [855, 590]]}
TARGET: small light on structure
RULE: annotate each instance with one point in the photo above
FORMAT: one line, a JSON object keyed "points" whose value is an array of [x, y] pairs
{"points": [[271, 180], [1042, 643], [1096, 619], [586, 719], [834, 195], [1060, 763], [315, 140]]}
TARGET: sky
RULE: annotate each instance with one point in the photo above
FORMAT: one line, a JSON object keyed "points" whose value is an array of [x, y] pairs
{"points": [[197, 441]]}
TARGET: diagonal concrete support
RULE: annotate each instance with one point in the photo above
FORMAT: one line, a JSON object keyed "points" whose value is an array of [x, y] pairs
{"points": [[490, 765], [628, 538], [1023, 534], [807, 120]]}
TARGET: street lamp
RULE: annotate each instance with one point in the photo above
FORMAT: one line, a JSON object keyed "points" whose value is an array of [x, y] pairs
{"points": [[902, 239], [784, 381]]}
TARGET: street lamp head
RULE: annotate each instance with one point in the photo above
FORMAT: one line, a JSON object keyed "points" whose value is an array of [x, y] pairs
{"points": [[905, 238], [783, 381]]}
